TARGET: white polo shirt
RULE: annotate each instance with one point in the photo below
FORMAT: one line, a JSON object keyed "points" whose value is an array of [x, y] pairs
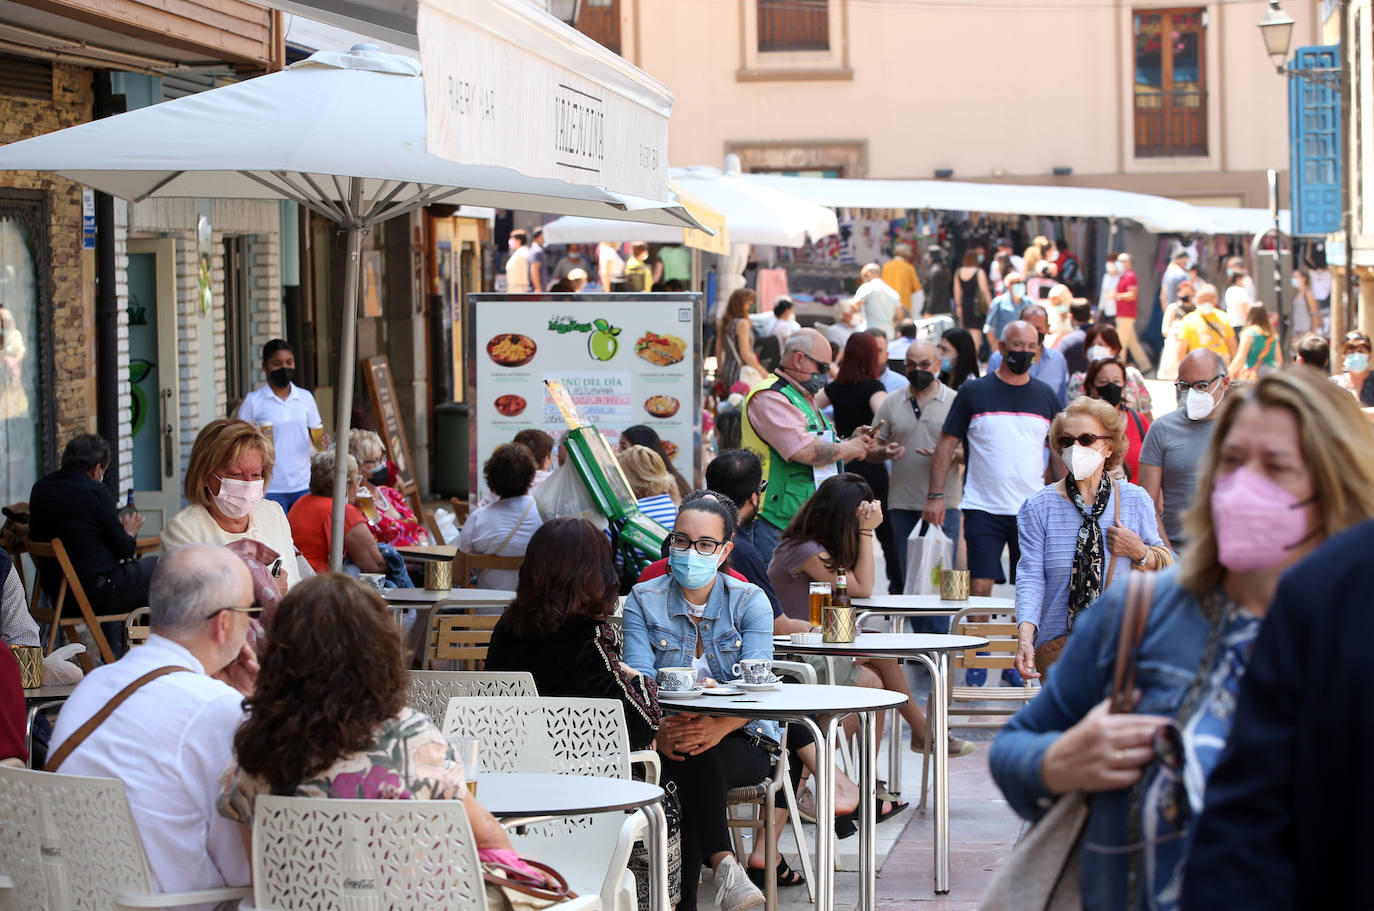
{"points": [[169, 742], [291, 421]]}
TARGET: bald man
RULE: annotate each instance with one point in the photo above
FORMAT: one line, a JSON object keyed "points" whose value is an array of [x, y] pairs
{"points": [[174, 734], [1175, 443], [881, 304], [1050, 367], [797, 445], [1003, 419]]}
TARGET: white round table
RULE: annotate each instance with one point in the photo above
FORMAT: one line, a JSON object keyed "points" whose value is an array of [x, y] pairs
{"points": [[485, 597], [932, 650], [520, 798], [798, 703]]}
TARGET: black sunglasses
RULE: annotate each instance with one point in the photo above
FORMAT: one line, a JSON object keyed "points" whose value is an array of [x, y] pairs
{"points": [[1083, 439], [763, 485]]}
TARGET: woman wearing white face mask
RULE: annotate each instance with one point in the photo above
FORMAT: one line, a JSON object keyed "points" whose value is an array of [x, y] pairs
{"points": [[1102, 341], [1288, 464], [1079, 534], [231, 463]]}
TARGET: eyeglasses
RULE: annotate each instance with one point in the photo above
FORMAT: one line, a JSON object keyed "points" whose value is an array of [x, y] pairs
{"points": [[251, 610], [1083, 439], [704, 546], [1199, 386], [763, 485]]}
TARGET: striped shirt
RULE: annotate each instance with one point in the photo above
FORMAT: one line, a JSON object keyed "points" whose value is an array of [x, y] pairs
{"points": [[660, 508], [1047, 527]]}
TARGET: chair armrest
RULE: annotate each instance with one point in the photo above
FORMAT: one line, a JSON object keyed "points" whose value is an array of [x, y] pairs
{"points": [[174, 899], [653, 767], [636, 825], [799, 669]]}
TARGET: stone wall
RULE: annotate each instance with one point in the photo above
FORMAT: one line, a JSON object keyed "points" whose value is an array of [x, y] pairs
{"points": [[72, 269]]}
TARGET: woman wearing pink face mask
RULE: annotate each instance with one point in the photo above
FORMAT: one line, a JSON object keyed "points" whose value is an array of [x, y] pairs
{"points": [[231, 463], [1289, 464]]}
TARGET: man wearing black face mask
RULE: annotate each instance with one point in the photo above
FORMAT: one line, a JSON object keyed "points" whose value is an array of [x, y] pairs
{"points": [[290, 415], [797, 445], [915, 416], [1003, 419]]}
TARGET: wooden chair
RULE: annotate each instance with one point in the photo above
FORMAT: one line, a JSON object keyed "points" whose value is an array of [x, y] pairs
{"points": [[465, 564], [460, 510], [432, 523], [461, 637], [70, 584], [137, 627], [1000, 629]]}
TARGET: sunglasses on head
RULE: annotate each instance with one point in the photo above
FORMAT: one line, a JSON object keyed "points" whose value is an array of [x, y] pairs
{"points": [[1083, 439]]}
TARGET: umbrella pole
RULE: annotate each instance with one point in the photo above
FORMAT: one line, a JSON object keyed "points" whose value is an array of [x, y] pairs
{"points": [[348, 356]]}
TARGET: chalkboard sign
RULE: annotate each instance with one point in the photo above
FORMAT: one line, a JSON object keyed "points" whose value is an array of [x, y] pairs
{"points": [[387, 411]]}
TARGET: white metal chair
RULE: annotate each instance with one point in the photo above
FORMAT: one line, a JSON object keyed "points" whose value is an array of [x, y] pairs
{"points": [[430, 691], [311, 854], [566, 737], [70, 843]]}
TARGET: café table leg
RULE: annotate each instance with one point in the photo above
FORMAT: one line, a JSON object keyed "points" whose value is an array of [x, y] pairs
{"points": [[868, 819], [658, 857], [824, 785], [938, 665]]}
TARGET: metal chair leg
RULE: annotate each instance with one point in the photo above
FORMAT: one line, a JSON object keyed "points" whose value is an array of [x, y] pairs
{"points": [[925, 761]]}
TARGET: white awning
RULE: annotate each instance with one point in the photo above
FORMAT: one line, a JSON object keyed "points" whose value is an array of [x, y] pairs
{"points": [[1157, 214]]}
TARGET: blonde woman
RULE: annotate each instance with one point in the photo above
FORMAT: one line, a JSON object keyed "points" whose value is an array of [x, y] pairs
{"points": [[651, 483], [231, 463], [1289, 464]]}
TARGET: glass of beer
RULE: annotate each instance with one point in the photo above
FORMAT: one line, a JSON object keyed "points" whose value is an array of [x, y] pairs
{"points": [[317, 438], [468, 751], [820, 597]]}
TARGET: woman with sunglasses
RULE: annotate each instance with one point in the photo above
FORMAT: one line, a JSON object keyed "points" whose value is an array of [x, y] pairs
{"points": [[1355, 377], [1079, 534], [1288, 465]]}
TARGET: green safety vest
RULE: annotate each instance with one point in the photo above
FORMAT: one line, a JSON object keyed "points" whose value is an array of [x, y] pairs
{"points": [[790, 484]]}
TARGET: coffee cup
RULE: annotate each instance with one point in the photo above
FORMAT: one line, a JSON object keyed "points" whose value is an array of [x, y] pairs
{"points": [[677, 679], [754, 670]]}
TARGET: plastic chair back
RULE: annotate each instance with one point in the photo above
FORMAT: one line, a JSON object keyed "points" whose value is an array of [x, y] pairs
{"points": [[430, 691]]}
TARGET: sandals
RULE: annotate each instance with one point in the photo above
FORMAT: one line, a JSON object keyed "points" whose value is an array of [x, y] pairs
{"points": [[847, 825], [786, 876]]}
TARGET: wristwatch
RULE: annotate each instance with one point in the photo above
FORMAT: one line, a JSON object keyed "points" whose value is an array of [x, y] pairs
{"points": [[935, 496]]}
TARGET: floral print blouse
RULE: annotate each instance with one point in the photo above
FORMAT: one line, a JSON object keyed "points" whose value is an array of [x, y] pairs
{"points": [[409, 760], [399, 532]]}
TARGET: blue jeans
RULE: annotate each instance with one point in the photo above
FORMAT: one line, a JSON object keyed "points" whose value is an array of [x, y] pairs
{"points": [[764, 537], [287, 500], [904, 522]]}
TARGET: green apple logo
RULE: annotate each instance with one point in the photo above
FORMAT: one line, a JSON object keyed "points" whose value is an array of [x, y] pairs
{"points": [[603, 344]]}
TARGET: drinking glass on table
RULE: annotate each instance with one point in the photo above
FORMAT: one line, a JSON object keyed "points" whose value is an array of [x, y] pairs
{"points": [[468, 751], [820, 599]]}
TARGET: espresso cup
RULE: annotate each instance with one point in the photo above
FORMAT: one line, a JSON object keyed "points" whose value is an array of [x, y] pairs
{"points": [[754, 670], [677, 679]]}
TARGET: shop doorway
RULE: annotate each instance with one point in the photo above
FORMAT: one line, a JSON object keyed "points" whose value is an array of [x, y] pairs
{"points": [[240, 362], [27, 433], [155, 411]]}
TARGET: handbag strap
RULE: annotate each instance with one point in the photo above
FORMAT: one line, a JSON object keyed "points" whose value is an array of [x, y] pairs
{"points": [[506, 880], [1140, 592], [96, 720], [518, 522], [1111, 557]]}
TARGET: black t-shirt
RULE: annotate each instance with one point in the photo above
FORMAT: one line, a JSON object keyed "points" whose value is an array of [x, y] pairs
{"points": [[851, 404]]}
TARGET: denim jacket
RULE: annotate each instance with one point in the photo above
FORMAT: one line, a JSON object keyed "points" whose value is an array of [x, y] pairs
{"points": [[738, 624], [1170, 652]]}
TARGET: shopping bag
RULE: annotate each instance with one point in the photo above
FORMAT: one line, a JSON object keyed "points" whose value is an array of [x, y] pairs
{"points": [[564, 493], [928, 551]]}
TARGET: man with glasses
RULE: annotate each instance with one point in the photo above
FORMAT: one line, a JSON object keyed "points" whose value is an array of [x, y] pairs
{"points": [[1003, 420], [1175, 443], [796, 444], [171, 735]]}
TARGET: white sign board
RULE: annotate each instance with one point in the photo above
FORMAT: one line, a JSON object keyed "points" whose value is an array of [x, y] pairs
{"points": [[625, 359], [507, 84]]}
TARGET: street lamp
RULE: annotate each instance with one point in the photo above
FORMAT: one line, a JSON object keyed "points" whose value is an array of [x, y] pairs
{"points": [[1277, 29], [565, 10]]}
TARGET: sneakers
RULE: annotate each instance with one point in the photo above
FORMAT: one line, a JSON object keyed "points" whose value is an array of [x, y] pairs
{"points": [[1012, 677], [976, 676], [734, 891]]}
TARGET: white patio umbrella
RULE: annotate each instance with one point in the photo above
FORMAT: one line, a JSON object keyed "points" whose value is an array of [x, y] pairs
{"points": [[341, 133]]}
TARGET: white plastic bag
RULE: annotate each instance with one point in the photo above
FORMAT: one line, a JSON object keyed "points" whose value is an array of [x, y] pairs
{"points": [[58, 669], [563, 493], [928, 551], [448, 525]]}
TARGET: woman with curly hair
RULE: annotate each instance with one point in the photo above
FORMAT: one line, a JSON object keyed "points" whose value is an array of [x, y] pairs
{"points": [[558, 627], [328, 717]]}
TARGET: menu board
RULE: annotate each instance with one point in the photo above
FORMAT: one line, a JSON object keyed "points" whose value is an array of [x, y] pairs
{"points": [[624, 359]]}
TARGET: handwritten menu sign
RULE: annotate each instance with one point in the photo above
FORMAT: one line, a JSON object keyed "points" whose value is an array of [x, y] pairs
{"points": [[622, 359], [382, 392]]}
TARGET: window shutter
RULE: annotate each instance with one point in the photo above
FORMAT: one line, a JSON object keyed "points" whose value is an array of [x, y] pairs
{"points": [[21, 77], [1314, 131]]}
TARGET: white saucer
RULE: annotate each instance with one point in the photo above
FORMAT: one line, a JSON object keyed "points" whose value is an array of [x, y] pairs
{"points": [[681, 694], [728, 689], [756, 687]]}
